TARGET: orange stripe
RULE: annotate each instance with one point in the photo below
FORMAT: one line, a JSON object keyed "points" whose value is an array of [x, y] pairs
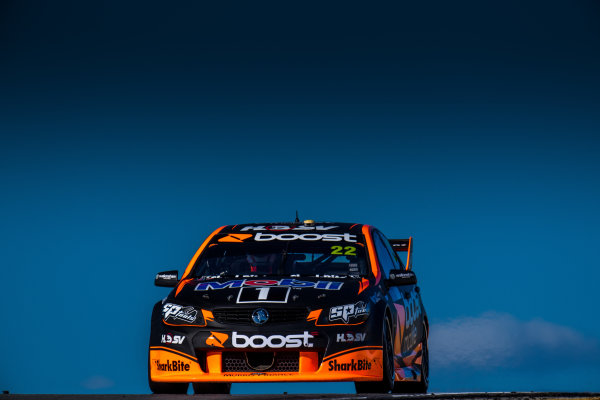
{"points": [[179, 353], [329, 357], [408, 260], [371, 248], [191, 264], [166, 323], [314, 315], [180, 286], [364, 283]]}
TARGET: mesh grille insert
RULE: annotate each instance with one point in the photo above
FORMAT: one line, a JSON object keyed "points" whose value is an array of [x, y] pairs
{"points": [[244, 315], [235, 361]]}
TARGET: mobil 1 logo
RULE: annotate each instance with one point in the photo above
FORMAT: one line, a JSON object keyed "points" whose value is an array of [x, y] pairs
{"points": [[267, 294]]}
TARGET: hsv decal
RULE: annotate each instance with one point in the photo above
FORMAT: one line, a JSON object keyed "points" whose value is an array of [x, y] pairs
{"points": [[326, 237], [172, 339], [172, 365], [350, 337], [353, 365], [180, 313], [348, 311], [275, 341], [286, 228], [238, 283]]}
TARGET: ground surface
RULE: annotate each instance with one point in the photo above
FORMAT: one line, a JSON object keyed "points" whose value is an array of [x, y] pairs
{"points": [[431, 396]]}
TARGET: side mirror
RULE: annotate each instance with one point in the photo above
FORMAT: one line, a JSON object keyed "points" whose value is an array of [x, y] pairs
{"points": [[167, 278], [400, 277]]}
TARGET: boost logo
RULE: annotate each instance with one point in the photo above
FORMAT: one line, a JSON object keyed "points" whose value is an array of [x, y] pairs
{"points": [[275, 341]]}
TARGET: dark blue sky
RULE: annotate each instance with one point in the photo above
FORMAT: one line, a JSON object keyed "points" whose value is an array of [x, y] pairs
{"points": [[129, 132]]}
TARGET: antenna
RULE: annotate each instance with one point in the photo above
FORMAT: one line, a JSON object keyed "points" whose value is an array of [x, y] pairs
{"points": [[297, 221]]}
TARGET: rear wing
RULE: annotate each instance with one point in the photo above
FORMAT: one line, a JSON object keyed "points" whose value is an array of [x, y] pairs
{"points": [[401, 246]]}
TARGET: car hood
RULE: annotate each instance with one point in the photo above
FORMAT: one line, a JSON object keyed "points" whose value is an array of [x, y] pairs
{"points": [[306, 292]]}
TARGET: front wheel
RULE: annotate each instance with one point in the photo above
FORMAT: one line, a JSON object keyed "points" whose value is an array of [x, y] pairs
{"points": [[212, 388], [423, 384], [166, 387], [387, 382]]}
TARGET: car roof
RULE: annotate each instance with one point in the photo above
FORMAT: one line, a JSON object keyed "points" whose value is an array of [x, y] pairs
{"points": [[330, 227]]}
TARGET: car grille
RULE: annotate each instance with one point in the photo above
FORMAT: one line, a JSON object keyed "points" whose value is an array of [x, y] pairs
{"points": [[244, 315], [285, 361]]}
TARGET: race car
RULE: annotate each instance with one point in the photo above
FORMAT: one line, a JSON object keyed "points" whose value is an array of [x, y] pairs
{"points": [[292, 302]]}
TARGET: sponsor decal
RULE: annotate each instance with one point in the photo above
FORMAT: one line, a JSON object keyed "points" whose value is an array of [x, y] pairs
{"points": [[277, 294], [166, 276], [171, 365], [353, 365], [238, 283], [275, 228], [350, 337], [326, 237], [413, 309], [217, 339], [348, 311], [172, 339], [179, 313], [274, 341], [235, 237]]}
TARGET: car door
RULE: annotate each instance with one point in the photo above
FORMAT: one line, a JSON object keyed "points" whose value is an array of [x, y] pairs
{"points": [[406, 299]]}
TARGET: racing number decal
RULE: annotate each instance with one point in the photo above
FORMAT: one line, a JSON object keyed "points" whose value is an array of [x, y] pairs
{"points": [[343, 251], [276, 294]]}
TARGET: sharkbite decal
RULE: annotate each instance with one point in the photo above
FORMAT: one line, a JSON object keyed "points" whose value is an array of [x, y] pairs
{"points": [[238, 283]]}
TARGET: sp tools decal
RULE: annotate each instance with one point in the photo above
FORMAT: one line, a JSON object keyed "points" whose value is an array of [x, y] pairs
{"points": [[350, 337], [275, 228], [274, 341], [326, 237], [171, 365], [348, 311], [172, 339], [277, 294], [235, 238], [238, 283], [353, 365], [217, 339], [179, 313]]}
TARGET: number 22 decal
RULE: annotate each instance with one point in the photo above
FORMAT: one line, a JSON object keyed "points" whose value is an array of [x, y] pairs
{"points": [[343, 251]]}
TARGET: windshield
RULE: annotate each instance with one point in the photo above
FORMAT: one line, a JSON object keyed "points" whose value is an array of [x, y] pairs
{"points": [[223, 257]]}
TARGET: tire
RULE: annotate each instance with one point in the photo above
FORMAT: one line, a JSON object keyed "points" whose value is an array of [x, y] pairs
{"points": [[387, 382], [423, 384], [211, 388], [166, 387]]}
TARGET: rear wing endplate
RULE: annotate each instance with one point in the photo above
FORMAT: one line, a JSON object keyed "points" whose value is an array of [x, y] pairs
{"points": [[401, 246]]}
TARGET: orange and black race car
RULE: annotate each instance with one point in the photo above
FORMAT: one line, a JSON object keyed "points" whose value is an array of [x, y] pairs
{"points": [[290, 302]]}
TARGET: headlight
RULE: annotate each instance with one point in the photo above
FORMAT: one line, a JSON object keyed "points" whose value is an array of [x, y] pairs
{"points": [[175, 314]]}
